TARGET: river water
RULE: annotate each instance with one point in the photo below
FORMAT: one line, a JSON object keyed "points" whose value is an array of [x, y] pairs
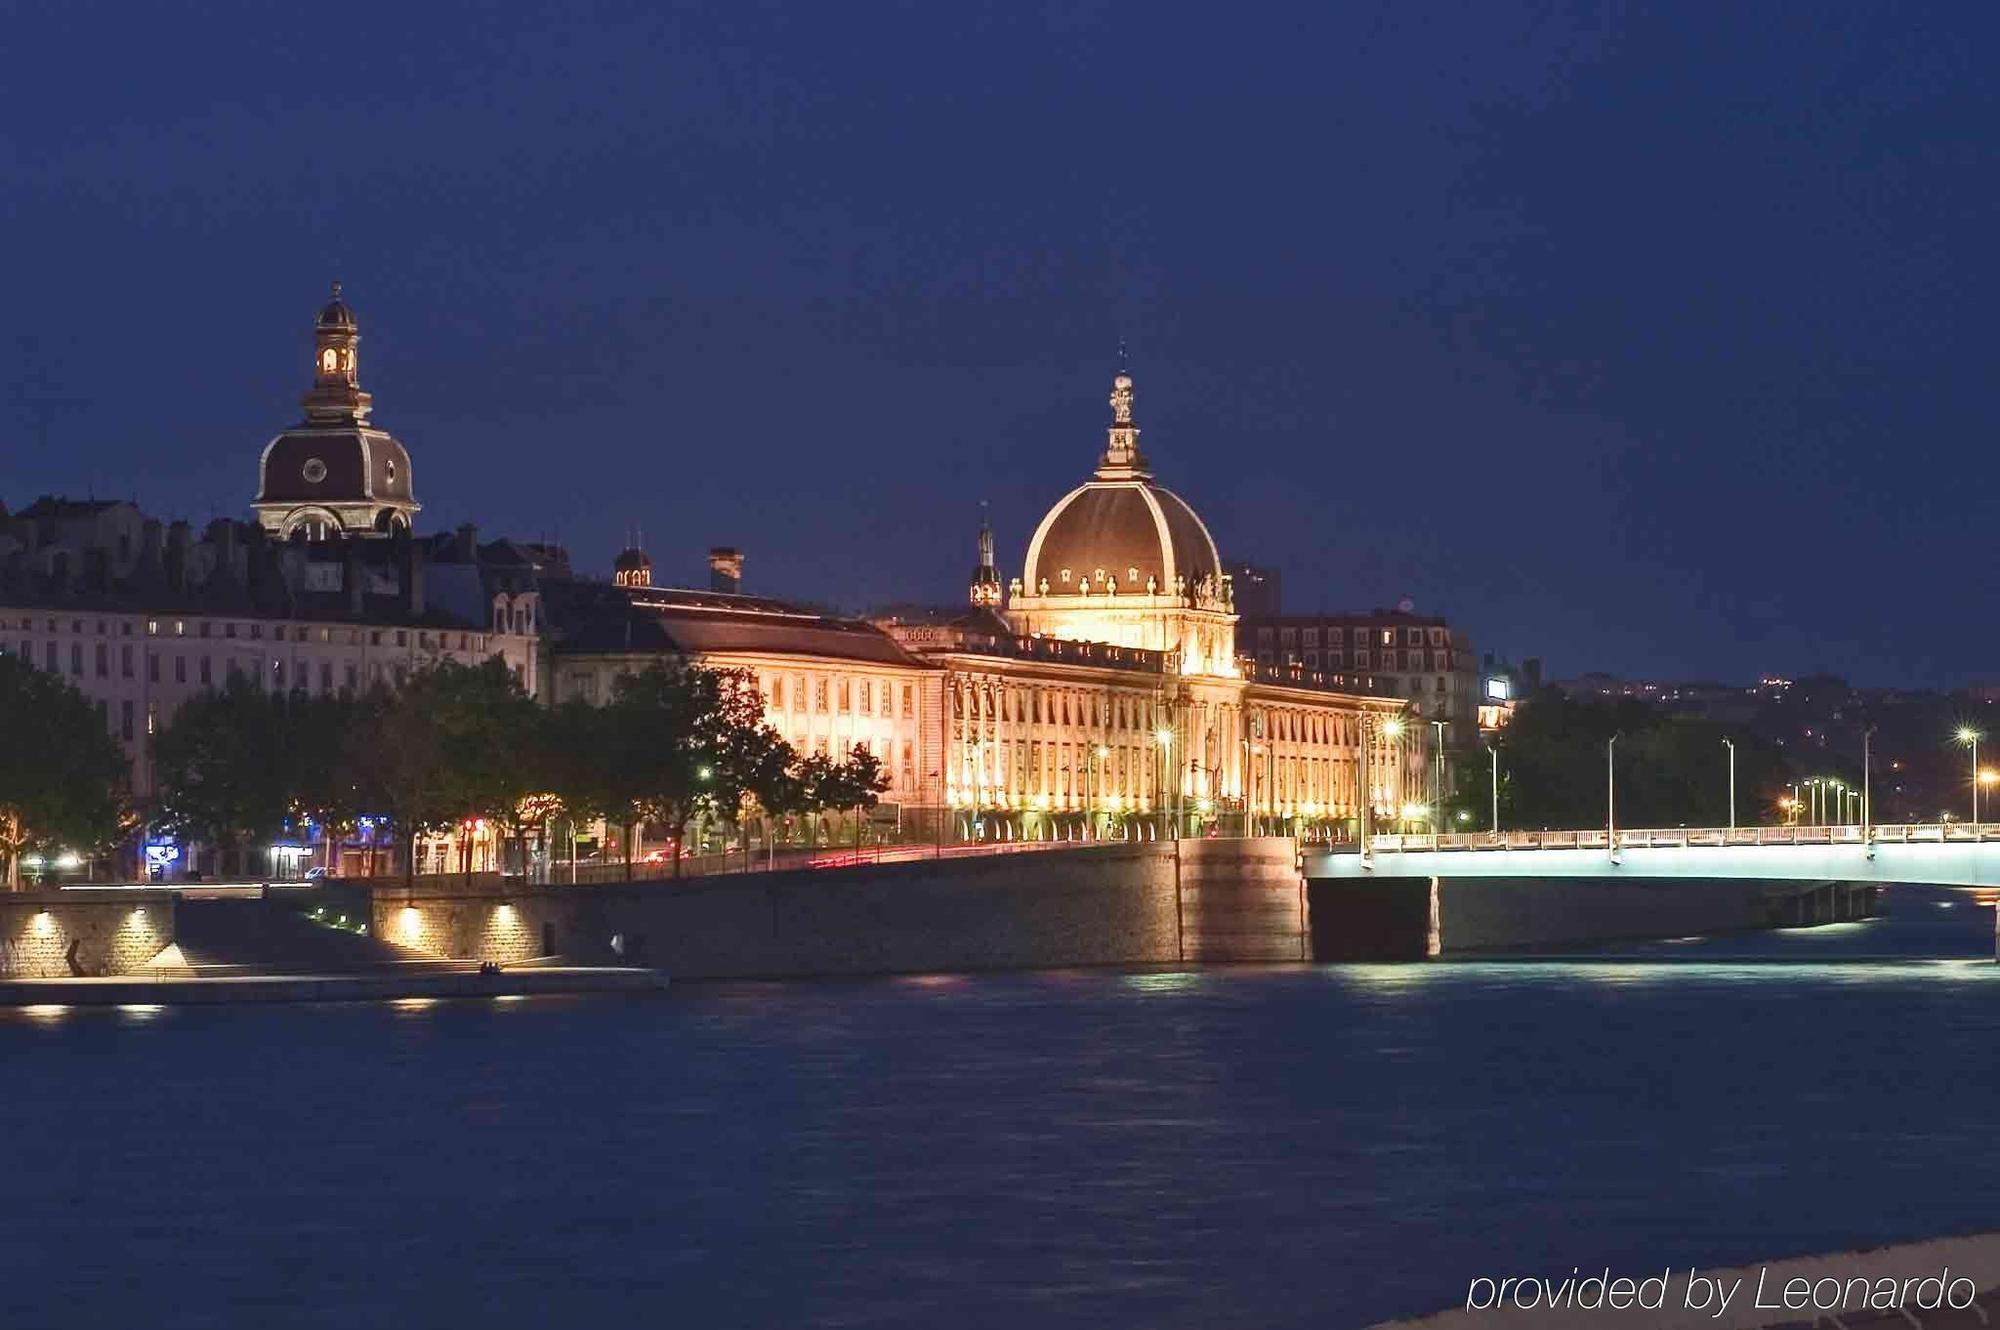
{"points": [[1317, 1147]]}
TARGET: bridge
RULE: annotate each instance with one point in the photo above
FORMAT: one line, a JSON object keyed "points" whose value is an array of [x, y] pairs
{"points": [[1951, 854]]}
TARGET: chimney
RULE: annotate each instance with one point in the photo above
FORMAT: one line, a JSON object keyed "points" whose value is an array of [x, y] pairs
{"points": [[97, 569], [466, 547], [725, 570]]}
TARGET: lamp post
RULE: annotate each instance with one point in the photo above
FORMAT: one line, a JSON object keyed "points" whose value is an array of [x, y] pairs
{"points": [[1496, 787], [1611, 794], [1867, 783], [1391, 728], [1437, 772], [1101, 753], [1968, 735], [1730, 744], [1164, 736], [1836, 803]]}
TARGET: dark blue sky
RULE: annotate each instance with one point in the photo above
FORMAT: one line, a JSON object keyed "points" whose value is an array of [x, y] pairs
{"points": [[1656, 339]]}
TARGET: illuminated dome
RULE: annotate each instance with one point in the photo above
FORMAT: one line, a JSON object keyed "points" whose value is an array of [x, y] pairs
{"points": [[1130, 536], [1127, 562], [632, 569]]}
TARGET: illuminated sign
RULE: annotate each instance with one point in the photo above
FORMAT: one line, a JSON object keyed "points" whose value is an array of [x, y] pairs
{"points": [[1496, 688], [161, 853]]}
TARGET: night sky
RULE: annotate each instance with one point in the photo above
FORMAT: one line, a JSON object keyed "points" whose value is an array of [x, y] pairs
{"points": [[1654, 339]]}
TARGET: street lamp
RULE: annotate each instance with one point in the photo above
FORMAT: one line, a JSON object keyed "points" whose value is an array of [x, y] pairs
{"points": [[1437, 768], [1611, 794], [1101, 752], [1496, 787], [1169, 801], [1392, 728], [1970, 736], [1730, 744]]}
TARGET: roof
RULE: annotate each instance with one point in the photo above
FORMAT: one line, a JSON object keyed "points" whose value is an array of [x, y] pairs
{"points": [[1130, 530], [597, 617], [50, 506]]}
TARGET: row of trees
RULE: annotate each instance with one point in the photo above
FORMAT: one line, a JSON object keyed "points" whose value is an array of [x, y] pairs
{"points": [[453, 743], [62, 777], [1673, 770]]}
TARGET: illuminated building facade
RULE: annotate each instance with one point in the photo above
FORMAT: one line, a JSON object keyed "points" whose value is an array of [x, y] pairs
{"points": [[1105, 696], [829, 683]]}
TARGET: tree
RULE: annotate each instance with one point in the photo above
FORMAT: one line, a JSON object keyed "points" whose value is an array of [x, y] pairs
{"points": [[487, 729], [683, 739], [1672, 770], [754, 766], [224, 768], [62, 777], [852, 784], [394, 754]]}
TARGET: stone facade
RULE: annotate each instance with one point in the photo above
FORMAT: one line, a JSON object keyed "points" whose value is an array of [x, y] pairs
{"points": [[57, 935]]}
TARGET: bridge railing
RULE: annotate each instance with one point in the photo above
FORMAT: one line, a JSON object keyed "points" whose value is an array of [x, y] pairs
{"points": [[1643, 838]]}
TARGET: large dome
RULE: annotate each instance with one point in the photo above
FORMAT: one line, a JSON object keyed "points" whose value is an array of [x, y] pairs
{"points": [[1131, 531]]}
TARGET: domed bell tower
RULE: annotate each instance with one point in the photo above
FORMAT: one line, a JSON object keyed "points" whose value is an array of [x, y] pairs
{"points": [[334, 473], [335, 396]]}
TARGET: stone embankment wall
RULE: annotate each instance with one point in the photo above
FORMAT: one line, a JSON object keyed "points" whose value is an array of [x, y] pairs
{"points": [[1409, 918], [1143, 904], [57, 935]]}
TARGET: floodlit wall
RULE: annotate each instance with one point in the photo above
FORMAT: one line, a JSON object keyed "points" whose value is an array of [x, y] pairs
{"points": [[1144, 904], [57, 935]]}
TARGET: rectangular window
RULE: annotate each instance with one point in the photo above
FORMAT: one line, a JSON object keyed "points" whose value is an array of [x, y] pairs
{"points": [[152, 627], [819, 695], [205, 627], [49, 654], [103, 661], [909, 701], [180, 669], [278, 672], [867, 697], [1309, 638], [152, 667], [152, 718], [207, 674], [257, 632], [229, 630], [125, 661], [326, 676], [76, 659], [125, 721], [846, 698], [778, 693], [351, 675]]}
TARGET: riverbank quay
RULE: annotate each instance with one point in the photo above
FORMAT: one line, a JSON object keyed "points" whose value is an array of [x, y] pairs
{"points": [[134, 991]]}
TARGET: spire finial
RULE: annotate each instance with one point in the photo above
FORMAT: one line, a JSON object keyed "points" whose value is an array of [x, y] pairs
{"points": [[985, 577], [336, 296], [1122, 458]]}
